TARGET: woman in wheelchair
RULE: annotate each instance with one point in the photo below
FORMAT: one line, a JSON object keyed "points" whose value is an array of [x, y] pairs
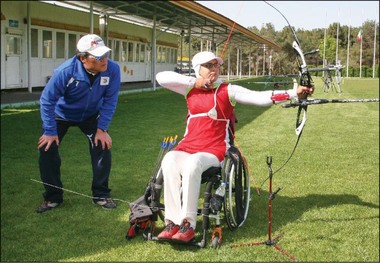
{"points": [[210, 104]]}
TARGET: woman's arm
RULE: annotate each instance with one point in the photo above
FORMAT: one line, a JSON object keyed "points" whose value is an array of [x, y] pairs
{"points": [[267, 98], [175, 82]]}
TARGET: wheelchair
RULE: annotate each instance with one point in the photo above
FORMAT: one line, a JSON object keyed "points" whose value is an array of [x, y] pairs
{"points": [[234, 174], [233, 209]]}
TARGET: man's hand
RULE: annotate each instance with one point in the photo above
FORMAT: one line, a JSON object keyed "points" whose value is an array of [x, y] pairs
{"points": [[48, 141], [104, 138]]}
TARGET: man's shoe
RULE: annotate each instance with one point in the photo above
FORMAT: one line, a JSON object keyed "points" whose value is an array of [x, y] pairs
{"points": [[106, 203], [46, 205], [185, 234], [170, 230]]}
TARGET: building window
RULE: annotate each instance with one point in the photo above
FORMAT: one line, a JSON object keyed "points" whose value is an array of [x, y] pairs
{"points": [[47, 44], [60, 45], [158, 56], [148, 53], [163, 55], [138, 52], [174, 56], [167, 56], [130, 52], [72, 48], [142, 53], [124, 51], [13, 45], [116, 51], [34, 43]]}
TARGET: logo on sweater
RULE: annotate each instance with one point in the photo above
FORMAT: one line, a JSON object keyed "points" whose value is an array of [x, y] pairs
{"points": [[104, 81]]}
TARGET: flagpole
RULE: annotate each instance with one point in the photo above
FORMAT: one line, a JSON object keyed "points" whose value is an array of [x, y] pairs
{"points": [[337, 40], [361, 46], [361, 52], [374, 53], [348, 47], [324, 45]]}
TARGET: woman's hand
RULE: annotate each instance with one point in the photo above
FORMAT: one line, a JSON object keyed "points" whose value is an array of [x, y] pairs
{"points": [[303, 91], [204, 84]]}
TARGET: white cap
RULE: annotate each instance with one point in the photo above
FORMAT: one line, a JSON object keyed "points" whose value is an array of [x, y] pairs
{"points": [[203, 57], [92, 44]]}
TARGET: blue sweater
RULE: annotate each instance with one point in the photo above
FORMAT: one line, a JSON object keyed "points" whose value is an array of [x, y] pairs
{"points": [[70, 95]]}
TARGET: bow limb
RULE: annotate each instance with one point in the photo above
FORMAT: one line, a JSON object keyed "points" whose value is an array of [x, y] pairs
{"points": [[305, 80]]}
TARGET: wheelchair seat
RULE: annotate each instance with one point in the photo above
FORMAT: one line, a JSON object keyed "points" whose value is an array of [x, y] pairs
{"points": [[212, 173]]}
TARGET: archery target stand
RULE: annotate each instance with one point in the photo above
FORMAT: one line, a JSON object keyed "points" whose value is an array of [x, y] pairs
{"points": [[270, 241]]}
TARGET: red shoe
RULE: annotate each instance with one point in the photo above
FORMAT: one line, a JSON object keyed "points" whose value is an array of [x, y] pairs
{"points": [[185, 233], [169, 231]]}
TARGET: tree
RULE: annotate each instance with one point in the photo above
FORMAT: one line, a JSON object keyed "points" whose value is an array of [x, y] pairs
{"points": [[330, 49]]}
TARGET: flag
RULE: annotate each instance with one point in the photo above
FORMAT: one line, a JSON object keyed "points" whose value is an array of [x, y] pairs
{"points": [[359, 36]]}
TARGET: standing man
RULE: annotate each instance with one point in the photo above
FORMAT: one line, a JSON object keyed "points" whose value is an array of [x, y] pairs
{"points": [[82, 92]]}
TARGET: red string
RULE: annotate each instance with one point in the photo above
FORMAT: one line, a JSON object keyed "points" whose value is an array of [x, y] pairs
{"points": [[233, 134], [228, 40]]}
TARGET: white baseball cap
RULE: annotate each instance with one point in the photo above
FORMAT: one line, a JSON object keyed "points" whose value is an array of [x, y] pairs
{"points": [[92, 44], [203, 57]]}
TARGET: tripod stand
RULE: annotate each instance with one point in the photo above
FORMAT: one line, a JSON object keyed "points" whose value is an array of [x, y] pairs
{"points": [[271, 241]]}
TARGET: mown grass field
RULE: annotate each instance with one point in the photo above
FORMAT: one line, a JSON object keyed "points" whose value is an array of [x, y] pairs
{"points": [[328, 208]]}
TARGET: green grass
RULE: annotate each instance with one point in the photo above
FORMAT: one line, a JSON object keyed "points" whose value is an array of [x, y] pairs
{"points": [[328, 209]]}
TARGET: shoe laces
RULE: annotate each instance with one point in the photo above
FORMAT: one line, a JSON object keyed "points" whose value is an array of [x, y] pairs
{"points": [[184, 227], [169, 226], [108, 200], [46, 204], [104, 201]]}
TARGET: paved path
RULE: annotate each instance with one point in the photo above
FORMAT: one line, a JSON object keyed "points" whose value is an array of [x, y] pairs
{"points": [[22, 97]]}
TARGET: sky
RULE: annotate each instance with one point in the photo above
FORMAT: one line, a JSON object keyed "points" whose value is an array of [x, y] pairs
{"points": [[300, 14]]}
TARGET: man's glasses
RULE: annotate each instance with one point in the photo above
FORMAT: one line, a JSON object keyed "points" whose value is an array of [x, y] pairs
{"points": [[211, 65], [106, 55]]}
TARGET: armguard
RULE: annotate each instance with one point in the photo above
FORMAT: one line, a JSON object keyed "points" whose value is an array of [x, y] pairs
{"points": [[279, 97]]}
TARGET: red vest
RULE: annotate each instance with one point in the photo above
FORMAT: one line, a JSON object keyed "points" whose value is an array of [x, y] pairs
{"points": [[203, 133]]}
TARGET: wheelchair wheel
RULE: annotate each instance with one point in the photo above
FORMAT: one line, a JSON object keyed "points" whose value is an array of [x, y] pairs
{"points": [[236, 202]]}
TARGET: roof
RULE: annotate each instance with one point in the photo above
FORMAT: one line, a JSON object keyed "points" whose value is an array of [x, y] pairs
{"points": [[176, 17]]}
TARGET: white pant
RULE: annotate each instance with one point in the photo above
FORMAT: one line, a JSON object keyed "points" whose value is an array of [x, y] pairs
{"points": [[182, 175]]}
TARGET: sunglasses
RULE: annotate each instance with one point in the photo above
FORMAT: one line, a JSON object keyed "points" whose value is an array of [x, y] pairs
{"points": [[211, 65], [106, 55]]}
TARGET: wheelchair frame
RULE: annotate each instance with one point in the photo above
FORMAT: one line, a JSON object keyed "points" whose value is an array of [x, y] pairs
{"points": [[146, 210], [235, 174]]}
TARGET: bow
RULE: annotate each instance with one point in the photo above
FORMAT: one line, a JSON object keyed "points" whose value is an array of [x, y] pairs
{"points": [[304, 80], [304, 76]]}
